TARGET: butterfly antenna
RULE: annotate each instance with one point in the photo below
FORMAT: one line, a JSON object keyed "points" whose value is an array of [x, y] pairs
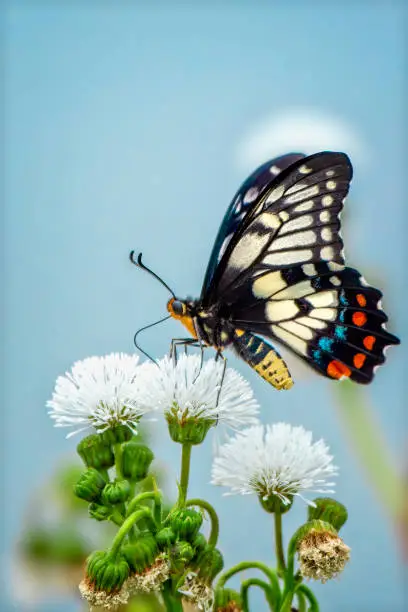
{"points": [[139, 348], [138, 262]]}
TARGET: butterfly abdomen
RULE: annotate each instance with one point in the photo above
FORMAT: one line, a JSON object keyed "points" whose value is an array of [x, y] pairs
{"points": [[262, 358]]}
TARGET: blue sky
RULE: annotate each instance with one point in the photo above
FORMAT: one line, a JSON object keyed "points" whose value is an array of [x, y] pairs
{"points": [[123, 129]]}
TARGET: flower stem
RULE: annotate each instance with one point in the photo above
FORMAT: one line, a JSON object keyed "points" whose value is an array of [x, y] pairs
{"points": [[155, 496], [185, 473], [280, 555], [215, 523], [118, 460], [269, 594], [244, 565], [126, 527], [314, 606], [171, 603]]}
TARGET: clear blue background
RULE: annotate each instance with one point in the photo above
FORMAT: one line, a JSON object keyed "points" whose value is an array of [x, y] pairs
{"points": [[121, 129]]}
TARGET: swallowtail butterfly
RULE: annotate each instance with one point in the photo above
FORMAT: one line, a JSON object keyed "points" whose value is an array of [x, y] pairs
{"points": [[277, 269]]}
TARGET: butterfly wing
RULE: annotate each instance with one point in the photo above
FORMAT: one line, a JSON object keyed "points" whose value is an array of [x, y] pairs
{"points": [[283, 273], [241, 205]]}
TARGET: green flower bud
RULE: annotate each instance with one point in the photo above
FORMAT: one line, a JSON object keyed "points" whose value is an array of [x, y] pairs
{"points": [[89, 485], [136, 460], [209, 564], [328, 510], [273, 503], [116, 435], [165, 538], [186, 523], [106, 573], [183, 551], [227, 600], [99, 512], [188, 431], [322, 554], [95, 453], [116, 492], [141, 553], [199, 543]]}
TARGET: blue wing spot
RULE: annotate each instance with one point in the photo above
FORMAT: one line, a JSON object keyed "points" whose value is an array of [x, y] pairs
{"points": [[343, 299], [340, 332], [342, 316], [317, 356], [326, 343]]}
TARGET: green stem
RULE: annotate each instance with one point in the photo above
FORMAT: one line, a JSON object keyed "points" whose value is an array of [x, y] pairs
{"points": [[290, 579], [141, 497], [215, 523], [244, 565], [269, 594], [116, 518], [171, 603], [126, 527], [301, 601], [185, 473], [314, 606], [280, 555], [118, 460]]}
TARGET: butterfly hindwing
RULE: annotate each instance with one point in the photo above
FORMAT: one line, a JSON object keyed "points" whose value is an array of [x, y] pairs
{"points": [[325, 313], [241, 205]]}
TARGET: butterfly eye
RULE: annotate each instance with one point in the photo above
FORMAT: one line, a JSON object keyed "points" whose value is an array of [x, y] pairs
{"points": [[178, 307]]}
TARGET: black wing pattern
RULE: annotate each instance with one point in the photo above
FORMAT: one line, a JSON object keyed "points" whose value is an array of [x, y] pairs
{"points": [[283, 274], [241, 205]]}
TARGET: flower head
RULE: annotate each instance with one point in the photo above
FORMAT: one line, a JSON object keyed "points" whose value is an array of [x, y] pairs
{"points": [[102, 599], [197, 592], [322, 553], [191, 389], [277, 461], [99, 392], [151, 578]]}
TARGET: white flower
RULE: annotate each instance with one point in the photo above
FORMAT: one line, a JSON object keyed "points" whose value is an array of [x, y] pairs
{"points": [[191, 389], [99, 392], [276, 460]]}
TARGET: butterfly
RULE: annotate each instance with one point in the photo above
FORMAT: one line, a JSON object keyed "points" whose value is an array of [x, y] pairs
{"points": [[277, 272]]}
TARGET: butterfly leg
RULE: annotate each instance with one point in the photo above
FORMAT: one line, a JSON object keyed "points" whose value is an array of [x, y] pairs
{"points": [[219, 355], [263, 359], [181, 342]]}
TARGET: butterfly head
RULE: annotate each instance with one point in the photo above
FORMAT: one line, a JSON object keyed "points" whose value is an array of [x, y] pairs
{"points": [[181, 310]]}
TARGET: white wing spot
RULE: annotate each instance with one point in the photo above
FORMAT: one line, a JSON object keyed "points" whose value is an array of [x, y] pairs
{"points": [[323, 299], [251, 195], [304, 169], [298, 330], [326, 234], [335, 267], [331, 185], [280, 311], [293, 240], [295, 291], [274, 170], [288, 257], [325, 314], [304, 207], [327, 200], [276, 194], [330, 173], [296, 224], [247, 250], [269, 220], [305, 194], [314, 323], [268, 285], [298, 345], [327, 253], [309, 269], [284, 215], [324, 216], [335, 280]]}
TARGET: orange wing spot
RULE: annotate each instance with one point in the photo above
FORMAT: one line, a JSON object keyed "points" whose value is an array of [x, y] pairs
{"points": [[359, 360], [239, 332], [359, 318], [361, 299], [369, 342], [336, 369]]}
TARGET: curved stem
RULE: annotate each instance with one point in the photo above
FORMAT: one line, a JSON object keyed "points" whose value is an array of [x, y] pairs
{"points": [[185, 473], [269, 594], [280, 555], [215, 523], [244, 565], [301, 601], [314, 606], [156, 497], [126, 527]]}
